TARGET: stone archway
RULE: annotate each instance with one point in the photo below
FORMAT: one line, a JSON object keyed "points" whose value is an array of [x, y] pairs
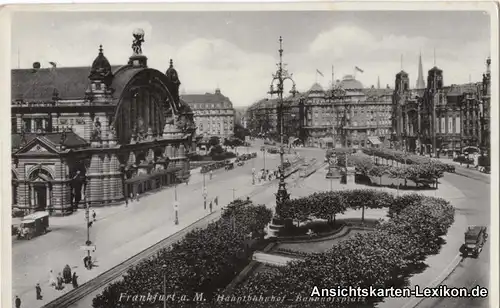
{"points": [[40, 188]]}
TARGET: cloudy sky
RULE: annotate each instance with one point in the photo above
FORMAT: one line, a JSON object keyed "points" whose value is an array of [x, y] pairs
{"points": [[237, 51]]}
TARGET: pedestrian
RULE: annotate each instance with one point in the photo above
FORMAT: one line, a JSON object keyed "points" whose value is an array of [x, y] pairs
{"points": [[137, 197], [52, 279], [86, 262], [18, 302], [74, 280], [94, 215], [59, 282], [126, 202], [131, 197], [38, 292], [67, 274], [211, 174]]}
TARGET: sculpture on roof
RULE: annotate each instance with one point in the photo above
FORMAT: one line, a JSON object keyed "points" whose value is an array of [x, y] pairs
{"points": [[96, 133], [138, 40]]}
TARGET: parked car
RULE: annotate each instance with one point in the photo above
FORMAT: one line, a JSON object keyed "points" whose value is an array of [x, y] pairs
{"points": [[33, 225], [475, 237]]}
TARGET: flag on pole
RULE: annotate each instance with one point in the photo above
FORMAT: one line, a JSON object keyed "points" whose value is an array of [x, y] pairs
{"points": [[358, 69], [320, 73]]}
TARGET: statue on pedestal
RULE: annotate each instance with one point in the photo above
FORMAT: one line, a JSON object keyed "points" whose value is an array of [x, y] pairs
{"points": [[138, 40]]}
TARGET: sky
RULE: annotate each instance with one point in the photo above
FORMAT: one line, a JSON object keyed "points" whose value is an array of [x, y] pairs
{"points": [[238, 51]]}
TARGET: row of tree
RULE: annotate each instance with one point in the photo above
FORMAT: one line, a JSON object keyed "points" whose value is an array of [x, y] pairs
{"points": [[416, 172], [380, 259], [405, 158], [206, 260]]}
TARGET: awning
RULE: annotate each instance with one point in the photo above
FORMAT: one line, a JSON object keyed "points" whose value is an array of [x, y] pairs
{"points": [[374, 140], [145, 177]]}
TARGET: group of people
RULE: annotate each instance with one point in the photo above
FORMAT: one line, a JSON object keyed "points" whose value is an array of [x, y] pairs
{"points": [[264, 175], [59, 281], [132, 198]]}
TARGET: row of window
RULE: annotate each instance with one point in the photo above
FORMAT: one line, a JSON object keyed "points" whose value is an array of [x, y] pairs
{"points": [[223, 111], [208, 106]]}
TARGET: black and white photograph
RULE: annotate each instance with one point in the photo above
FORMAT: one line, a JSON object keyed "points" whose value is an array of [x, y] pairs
{"points": [[250, 155]]}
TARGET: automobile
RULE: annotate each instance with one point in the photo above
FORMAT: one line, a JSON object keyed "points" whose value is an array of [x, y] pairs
{"points": [[33, 225], [240, 163], [475, 237], [229, 165]]}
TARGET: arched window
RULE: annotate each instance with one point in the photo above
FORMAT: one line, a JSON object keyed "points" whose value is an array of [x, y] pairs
{"points": [[40, 174]]}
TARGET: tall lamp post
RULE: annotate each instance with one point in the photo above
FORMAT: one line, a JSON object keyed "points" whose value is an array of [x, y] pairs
{"points": [[164, 267], [87, 219], [176, 206], [337, 93], [204, 193], [279, 78]]}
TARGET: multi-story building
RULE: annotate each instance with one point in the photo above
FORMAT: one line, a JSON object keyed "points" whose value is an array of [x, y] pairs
{"points": [[239, 117], [213, 114], [440, 118], [345, 115], [262, 117], [97, 134]]}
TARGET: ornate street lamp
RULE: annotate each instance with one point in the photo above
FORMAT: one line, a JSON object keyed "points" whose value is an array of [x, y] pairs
{"points": [[279, 78], [337, 93]]}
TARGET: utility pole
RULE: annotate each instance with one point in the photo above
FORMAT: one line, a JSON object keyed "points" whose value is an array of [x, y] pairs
{"points": [[176, 206], [204, 193]]}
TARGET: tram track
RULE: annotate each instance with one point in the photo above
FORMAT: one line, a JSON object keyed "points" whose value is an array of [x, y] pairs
{"points": [[117, 271]]}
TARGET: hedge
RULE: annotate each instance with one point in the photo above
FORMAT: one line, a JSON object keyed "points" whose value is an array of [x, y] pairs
{"points": [[382, 258], [405, 158], [206, 260]]}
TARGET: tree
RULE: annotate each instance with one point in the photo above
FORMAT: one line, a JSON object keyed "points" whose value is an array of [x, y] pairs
{"points": [[240, 132], [214, 141]]}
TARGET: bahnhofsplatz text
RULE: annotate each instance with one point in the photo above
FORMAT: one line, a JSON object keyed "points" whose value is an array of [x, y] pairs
{"points": [[417, 291]]}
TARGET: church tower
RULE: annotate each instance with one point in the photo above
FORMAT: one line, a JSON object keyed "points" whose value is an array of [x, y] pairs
{"points": [[399, 99], [420, 79]]}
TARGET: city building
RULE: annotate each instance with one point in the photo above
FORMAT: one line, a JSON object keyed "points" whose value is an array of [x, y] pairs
{"points": [[348, 114], [96, 134], [440, 119], [213, 114], [239, 117]]}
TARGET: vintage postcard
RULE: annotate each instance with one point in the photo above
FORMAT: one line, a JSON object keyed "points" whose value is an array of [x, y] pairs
{"points": [[250, 155]]}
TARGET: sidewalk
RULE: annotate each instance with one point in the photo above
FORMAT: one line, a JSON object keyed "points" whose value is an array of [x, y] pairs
{"points": [[118, 233], [438, 265]]}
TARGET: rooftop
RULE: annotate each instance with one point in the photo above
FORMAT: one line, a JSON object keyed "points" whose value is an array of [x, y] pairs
{"points": [[41, 84]]}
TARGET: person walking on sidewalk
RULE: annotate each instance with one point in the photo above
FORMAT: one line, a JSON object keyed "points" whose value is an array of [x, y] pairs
{"points": [[59, 282], [18, 302], [67, 274], [211, 174], [52, 279], [38, 292], [137, 197], [74, 280]]}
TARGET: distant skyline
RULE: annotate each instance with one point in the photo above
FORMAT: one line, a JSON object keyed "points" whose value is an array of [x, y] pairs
{"points": [[238, 51]]}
